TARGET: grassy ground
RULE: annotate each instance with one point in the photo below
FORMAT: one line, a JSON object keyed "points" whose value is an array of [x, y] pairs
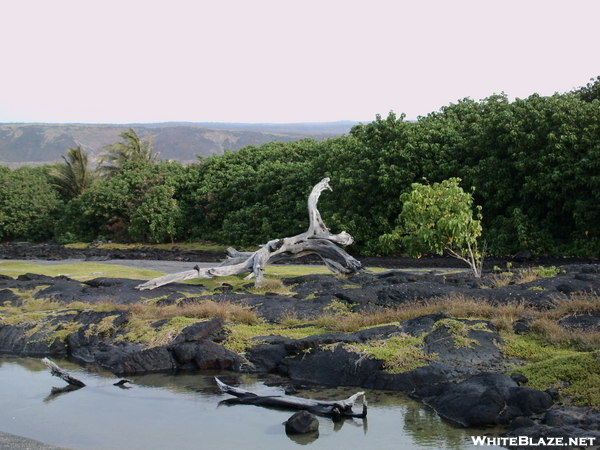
{"points": [[83, 271], [79, 271]]}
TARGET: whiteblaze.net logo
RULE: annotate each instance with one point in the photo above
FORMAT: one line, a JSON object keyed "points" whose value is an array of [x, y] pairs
{"points": [[534, 442]]}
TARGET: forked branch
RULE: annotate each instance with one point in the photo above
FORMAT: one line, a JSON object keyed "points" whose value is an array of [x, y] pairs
{"points": [[317, 240]]}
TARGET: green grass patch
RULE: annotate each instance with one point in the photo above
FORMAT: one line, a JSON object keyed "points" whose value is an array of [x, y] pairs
{"points": [[64, 330], [82, 271], [32, 311], [533, 349], [579, 370], [41, 322], [557, 366], [399, 353], [338, 308], [144, 332], [239, 335], [290, 271], [273, 272], [104, 327], [545, 272], [460, 331]]}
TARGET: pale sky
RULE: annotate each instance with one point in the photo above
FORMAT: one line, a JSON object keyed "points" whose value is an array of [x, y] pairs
{"points": [[144, 61]]}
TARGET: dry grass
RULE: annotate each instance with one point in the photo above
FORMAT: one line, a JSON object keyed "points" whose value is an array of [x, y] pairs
{"points": [[140, 326], [41, 304], [554, 334], [545, 323], [519, 277], [32, 309], [550, 331], [203, 309], [522, 276], [271, 285], [290, 319], [501, 279], [339, 317], [460, 307], [584, 303], [527, 275], [351, 322], [456, 306]]}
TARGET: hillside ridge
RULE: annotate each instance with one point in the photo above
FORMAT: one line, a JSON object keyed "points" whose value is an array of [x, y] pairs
{"points": [[39, 143]]}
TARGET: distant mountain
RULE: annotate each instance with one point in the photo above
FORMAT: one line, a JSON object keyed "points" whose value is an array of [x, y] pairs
{"points": [[35, 144]]}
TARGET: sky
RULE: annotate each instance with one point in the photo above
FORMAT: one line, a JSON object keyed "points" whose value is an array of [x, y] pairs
{"points": [[281, 61]]}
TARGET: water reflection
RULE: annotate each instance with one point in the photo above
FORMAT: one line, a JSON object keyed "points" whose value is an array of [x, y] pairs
{"points": [[304, 439], [425, 430], [56, 392], [159, 411]]}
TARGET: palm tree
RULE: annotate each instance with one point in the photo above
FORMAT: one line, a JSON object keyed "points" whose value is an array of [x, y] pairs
{"points": [[131, 149], [73, 176]]}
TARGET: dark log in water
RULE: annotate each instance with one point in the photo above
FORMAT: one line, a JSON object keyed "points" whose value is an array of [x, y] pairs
{"points": [[335, 409]]}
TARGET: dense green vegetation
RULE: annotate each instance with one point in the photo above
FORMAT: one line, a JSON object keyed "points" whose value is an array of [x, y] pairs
{"points": [[29, 205], [534, 164]]}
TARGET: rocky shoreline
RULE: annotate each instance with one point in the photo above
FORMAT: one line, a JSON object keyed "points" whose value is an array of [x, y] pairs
{"points": [[464, 383]]}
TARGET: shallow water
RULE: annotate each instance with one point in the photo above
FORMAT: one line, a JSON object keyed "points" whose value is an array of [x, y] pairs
{"points": [[182, 412]]}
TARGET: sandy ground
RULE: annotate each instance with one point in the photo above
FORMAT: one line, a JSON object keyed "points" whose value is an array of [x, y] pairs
{"points": [[12, 442]]}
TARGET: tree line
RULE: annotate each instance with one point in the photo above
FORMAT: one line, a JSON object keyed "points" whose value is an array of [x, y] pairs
{"points": [[533, 165]]}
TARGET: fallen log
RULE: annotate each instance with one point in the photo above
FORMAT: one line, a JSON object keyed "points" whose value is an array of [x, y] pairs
{"points": [[58, 372], [335, 409], [316, 240]]}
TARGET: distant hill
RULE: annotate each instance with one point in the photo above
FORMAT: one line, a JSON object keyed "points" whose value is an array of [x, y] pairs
{"points": [[36, 144]]}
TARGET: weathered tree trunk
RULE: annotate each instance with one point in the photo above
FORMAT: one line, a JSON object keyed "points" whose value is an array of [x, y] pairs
{"points": [[335, 409], [317, 240], [58, 372]]}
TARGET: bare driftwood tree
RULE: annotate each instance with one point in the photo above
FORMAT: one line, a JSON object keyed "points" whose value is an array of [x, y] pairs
{"points": [[317, 240], [60, 373], [336, 409]]}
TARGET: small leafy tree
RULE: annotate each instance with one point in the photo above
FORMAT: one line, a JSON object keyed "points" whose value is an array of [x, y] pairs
{"points": [[437, 218]]}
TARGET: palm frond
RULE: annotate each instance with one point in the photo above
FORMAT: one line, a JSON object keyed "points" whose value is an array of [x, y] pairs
{"points": [[74, 175]]}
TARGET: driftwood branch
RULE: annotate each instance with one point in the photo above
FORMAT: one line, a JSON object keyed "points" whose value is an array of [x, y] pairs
{"points": [[334, 409], [316, 240], [58, 372]]}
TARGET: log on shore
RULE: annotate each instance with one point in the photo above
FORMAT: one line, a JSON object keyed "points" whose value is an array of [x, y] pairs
{"points": [[316, 240]]}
